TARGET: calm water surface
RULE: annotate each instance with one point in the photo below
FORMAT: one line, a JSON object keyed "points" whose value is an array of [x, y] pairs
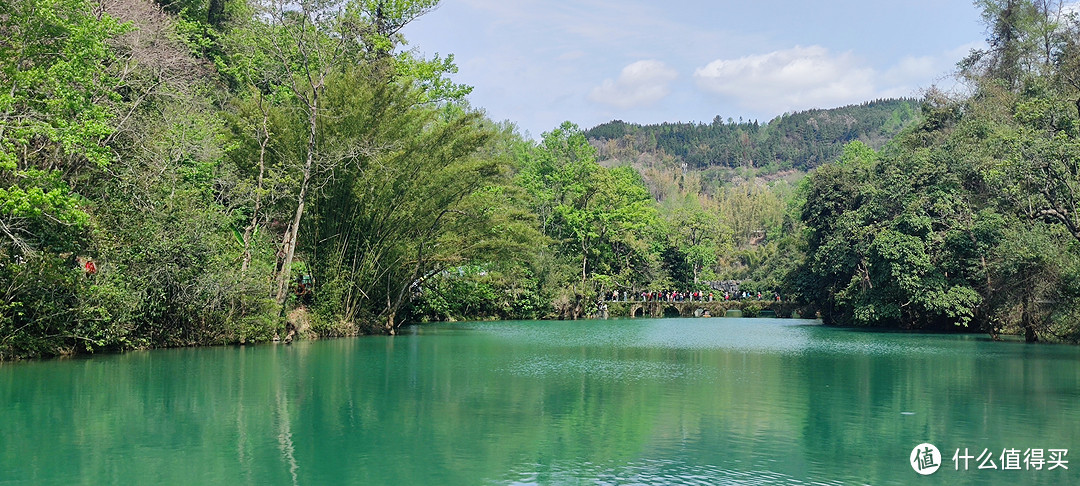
{"points": [[672, 401]]}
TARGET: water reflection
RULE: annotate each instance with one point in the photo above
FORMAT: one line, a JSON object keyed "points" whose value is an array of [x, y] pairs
{"points": [[285, 442], [705, 401]]}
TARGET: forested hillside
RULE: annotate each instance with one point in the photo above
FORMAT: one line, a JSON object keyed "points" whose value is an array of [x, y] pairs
{"points": [[801, 140]]}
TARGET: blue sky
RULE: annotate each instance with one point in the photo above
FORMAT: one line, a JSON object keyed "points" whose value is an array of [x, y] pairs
{"points": [[538, 63]]}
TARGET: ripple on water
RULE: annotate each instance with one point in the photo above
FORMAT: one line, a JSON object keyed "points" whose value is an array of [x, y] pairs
{"points": [[607, 369], [658, 472]]}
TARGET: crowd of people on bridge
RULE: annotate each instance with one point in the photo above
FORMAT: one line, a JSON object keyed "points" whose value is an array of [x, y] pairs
{"points": [[688, 296]]}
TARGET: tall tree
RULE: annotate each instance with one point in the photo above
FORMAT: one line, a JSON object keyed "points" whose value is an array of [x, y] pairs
{"points": [[601, 217], [404, 203]]}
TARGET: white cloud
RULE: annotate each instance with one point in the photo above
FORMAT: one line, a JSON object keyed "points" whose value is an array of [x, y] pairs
{"points": [[791, 79], [812, 77], [640, 84]]}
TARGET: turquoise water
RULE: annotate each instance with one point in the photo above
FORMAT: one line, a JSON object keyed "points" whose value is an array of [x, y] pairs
{"points": [[645, 401]]}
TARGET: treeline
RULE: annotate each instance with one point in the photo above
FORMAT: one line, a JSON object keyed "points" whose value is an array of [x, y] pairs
{"points": [[969, 219], [801, 140]]}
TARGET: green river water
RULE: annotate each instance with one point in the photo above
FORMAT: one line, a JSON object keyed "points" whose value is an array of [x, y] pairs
{"points": [[645, 401]]}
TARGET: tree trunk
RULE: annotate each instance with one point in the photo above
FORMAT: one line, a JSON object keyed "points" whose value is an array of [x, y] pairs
{"points": [[1026, 321], [584, 264], [584, 260], [250, 229], [289, 245]]}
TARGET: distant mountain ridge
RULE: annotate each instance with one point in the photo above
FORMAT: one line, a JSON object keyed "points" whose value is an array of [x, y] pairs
{"points": [[801, 140]]}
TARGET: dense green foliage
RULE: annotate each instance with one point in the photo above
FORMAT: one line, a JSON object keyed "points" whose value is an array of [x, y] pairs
{"points": [[239, 171], [969, 219], [801, 140], [110, 162], [155, 170]]}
